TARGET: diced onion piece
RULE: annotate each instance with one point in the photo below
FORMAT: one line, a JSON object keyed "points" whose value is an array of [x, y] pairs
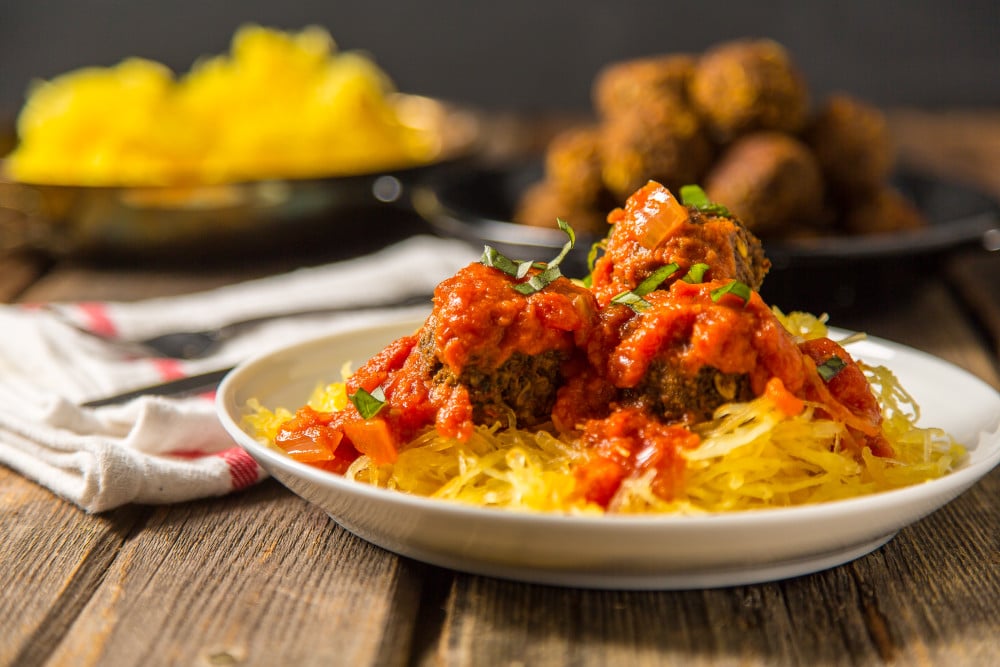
{"points": [[663, 213]]}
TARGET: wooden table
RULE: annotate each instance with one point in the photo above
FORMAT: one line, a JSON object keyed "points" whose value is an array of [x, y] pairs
{"points": [[262, 578]]}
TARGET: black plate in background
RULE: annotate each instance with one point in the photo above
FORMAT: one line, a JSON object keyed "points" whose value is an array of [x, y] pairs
{"points": [[830, 274]]}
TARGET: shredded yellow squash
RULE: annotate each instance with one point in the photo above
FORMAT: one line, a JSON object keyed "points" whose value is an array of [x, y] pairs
{"points": [[752, 456], [279, 105]]}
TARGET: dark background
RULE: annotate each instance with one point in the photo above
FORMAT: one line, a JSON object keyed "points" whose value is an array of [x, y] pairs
{"points": [[535, 55]]}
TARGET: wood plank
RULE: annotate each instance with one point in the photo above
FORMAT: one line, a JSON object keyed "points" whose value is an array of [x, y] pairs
{"points": [[977, 282], [70, 283], [959, 144], [779, 623], [258, 578], [53, 556], [17, 272], [939, 583]]}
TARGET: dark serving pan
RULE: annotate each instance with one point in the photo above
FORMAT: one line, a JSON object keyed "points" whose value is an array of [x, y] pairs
{"points": [[829, 273]]}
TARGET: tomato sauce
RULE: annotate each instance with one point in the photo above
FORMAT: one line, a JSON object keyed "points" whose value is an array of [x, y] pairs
{"points": [[481, 327], [480, 319], [852, 398], [628, 444], [690, 330], [654, 229]]}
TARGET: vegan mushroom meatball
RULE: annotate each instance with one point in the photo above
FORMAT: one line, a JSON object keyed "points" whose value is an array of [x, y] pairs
{"points": [[573, 166], [620, 88], [749, 85], [494, 354], [770, 181], [665, 143], [883, 211], [654, 229], [690, 351], [542, 203], [852, 145]]}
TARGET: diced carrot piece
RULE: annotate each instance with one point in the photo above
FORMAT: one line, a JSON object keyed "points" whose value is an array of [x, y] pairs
{"points": [[373, 438]]}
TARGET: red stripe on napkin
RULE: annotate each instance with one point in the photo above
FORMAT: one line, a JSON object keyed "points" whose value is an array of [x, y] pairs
{"points": [[242, 467], [169, 369], [188, 453], [98, 321]]}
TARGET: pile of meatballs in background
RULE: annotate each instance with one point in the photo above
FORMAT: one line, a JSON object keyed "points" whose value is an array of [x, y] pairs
{"points": [[737, 120]]}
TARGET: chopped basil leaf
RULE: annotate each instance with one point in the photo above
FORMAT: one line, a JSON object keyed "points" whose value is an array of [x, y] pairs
{"points": [[570, 242], [694, 197], [633, 298], [829, 368], [696, 274], [734, 287], [368, 404], [656, 278], [539, 281], [518, 270], [495, 259], [595, 247]]}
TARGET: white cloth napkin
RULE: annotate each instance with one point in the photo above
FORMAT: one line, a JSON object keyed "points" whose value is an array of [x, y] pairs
{"points": [[157, 449]]}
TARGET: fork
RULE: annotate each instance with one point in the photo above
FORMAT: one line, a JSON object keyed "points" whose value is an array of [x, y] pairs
{"points": [[196, 344]]}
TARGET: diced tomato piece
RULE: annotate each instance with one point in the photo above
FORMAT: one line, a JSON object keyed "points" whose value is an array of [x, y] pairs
{"points": [[309, 436], [598, 479], [373, 438], [315, 443]]}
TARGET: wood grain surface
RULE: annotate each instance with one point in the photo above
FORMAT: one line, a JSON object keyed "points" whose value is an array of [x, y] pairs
{"points": [[261, 577]]}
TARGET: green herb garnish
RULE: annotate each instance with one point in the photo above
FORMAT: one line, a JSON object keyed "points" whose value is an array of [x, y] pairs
{"points": [[696, 274], [539, 281], [595, 248], [734, 287], [633, 298], [829, 368], [368, 404], [519, 269], [694, 197], [493, 258]]}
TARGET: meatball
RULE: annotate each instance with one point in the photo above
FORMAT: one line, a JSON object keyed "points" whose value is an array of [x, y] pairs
{"points": [[494, 354], [852, 145], [749, 85], [654, 229], [674, 395], [883, 211], [771, 181], [621, 87], [542, 203], [573, 167], [688, 352], [664, 143]]}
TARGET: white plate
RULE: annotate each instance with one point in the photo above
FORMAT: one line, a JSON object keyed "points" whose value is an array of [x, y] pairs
{"points": [[620, 552]]}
